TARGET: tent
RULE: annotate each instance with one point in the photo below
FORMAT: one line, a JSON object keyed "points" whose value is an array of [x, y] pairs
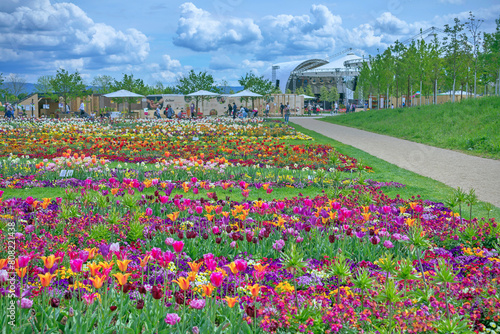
{"points": [[202, 93], [247, 93], [123, 94]]}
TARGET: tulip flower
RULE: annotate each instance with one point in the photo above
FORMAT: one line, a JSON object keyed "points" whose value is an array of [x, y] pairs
{"points": [[207, 290], [195, 266], [122, 279], [106, 265], [97, 281], [22, 261], [254, 290], [3, 263], [241, 265], [149, 212], [233, 268], [172, 318], [122, 265], [231, 301], [49, 261], [144, 261], [93, 268], [22, 272], [216, 279], [178, 246], [46, 278], [183, 283], [76, 265]]}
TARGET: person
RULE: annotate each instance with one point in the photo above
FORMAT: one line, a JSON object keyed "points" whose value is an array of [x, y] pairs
{"points": [[179, 114], [267, 109], [157, 113], [287, 114], [336, 107], [403, 104], [9, 111], [82, 109], [192, 110], [347, 108], [392, 106], [282, 107], [366, 106], [170, 111], [229, 109], [67, 108], [243, 112], [353, 107]]}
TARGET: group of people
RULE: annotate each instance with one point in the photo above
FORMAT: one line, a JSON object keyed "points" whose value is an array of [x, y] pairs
{"points": [[242, 112]]}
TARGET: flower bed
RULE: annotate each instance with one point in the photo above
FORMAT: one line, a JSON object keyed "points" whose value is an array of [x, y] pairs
{"points": [[135, 251]]}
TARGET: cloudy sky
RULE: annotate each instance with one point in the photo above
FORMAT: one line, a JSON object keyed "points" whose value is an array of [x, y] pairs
{"points": [[161, 40]]}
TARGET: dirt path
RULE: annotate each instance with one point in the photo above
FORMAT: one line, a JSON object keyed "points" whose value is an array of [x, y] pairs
{"points": [[452, 168]]}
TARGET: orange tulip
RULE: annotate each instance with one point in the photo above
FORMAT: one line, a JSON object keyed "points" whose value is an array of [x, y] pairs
{"points": [[233, 268], [3, 263], [122, 265], [144, 261], [92, 252], [97, 281], [192, 276], [46, 278], [49, 260], [106, 265], [207, 290], [255, 289], [402, 209], [93, 268], [231, 301], [260, 268], [122, 279], [22, 272], [173, 216], [183, 283], [195, 266], [366, 216]]}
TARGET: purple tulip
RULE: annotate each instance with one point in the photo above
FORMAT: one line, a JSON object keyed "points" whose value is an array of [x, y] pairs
{"points": [[388, 244]]}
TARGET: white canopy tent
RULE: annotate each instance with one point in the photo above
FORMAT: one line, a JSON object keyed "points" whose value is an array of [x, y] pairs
{"points": [[123, 93], [202, 93]]}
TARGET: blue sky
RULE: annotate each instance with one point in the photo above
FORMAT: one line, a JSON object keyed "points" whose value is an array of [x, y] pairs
{"points": [[162, 40]]}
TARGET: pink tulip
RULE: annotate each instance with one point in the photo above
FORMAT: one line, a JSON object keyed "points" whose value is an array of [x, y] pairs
{"points": [[76, 265], [163, 199], [199, 210], [216, 279], [23, 261], [149, 212], [178, 246], [195, 191], [269, 190], [29, 200], [211, 264], [241, 265]]}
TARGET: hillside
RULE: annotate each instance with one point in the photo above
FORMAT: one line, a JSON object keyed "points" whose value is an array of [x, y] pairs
{"points": [[470, 126]]}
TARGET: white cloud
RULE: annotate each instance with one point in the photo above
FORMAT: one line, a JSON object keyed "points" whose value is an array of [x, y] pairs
{"points": [[168, 70], [63, 31], [198, 30]]}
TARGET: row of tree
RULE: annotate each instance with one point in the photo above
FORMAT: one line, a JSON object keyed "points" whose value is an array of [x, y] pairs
{"points": [[66, 86], [466, 59]]}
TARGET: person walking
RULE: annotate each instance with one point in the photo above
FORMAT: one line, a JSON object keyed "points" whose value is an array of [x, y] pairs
{"points": [[192, 110], [282, 107], [287, 114], [229, 109], [82, 109], [267, 109]]}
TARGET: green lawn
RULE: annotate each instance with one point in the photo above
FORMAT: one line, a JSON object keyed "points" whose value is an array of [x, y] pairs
{"points": [[383, 171], [470, 126]]}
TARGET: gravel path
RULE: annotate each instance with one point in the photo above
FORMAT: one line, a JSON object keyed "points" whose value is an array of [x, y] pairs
{"points": [[451, 168]]}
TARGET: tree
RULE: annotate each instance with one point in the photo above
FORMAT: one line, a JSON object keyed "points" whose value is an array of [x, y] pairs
{"points": [[15, 85], [197, 81], [44, 84], [103, 84], [452, 46], [300, 91], [490, 57], [324, 95], [256, 84], [309, 90], [67, 85], [473, 26], [131, 84], [333, 94]]}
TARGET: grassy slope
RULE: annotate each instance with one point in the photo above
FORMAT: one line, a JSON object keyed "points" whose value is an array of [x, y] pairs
{"points": [[470, 126], [384, 171]]}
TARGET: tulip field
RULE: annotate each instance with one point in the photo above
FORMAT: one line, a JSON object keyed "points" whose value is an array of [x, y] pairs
{"points": [[227, 226]]}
